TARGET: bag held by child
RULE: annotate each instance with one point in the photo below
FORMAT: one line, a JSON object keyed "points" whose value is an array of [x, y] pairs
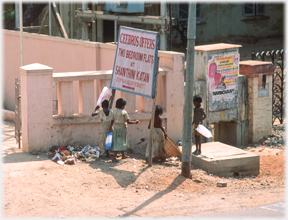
{"points": [[109, 141], [204, 131]]}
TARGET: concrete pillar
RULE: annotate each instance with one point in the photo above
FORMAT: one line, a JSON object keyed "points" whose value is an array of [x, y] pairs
{"points": [[65, 99], [161, 92], [36, 105], [175, 100], [260, 76], [146, 105], [86, 97], [131, 102]]}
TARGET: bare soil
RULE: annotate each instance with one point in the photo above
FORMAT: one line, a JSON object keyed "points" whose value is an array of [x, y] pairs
{"points": [[35, 186]]}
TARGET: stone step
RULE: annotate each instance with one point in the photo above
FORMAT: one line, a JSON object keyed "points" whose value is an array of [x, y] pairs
{"points": [[224, 160]]}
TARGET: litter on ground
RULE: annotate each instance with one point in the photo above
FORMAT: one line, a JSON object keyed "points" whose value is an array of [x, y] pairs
{"points": [[71, 155]]}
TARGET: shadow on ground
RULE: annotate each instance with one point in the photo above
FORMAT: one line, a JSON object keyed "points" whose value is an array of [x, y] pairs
{"points": [[123, 177], [176, 182]]}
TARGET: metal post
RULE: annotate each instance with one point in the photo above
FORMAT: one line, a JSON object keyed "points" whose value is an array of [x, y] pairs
{"points": [[153, 118], [163, 35], [282, 86], [115, 31], [50, 27], [85, 26], [17, 15], [189, 87], [169, 23], [93, 25], [112, 98], [99, 27], [21, 31], [72, 16]]}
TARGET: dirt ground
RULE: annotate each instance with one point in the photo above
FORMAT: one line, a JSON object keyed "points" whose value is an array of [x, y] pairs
{"points": [[35, 186]]}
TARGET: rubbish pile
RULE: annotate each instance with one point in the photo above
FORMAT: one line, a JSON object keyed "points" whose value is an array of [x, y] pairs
{"points": [[72, 155], [276, 139]]}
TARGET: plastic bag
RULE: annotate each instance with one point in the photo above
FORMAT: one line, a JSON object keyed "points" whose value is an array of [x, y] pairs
{"points": [[109, 141], [204, 131], [105, 94]]}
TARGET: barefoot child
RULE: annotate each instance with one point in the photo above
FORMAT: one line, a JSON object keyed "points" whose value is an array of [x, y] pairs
{"points": [[158, 151], [119, 136], [199, 116], [106, 116]]}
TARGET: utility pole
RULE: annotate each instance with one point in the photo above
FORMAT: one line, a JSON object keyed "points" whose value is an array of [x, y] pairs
{"points": [[189, 87], [85, 25], [17, 19], [21, 31], [163, 36], [50, 22]]}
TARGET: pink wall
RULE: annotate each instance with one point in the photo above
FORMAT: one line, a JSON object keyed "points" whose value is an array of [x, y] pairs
{"points": [[68, 55], [64, 55]]}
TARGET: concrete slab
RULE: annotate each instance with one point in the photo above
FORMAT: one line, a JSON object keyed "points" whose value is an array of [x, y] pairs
{"points": [[226, 161]]}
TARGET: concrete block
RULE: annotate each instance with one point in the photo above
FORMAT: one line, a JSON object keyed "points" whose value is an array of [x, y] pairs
{"points": [[221, 184], [226, 161], [8, 115], [255, 67]]}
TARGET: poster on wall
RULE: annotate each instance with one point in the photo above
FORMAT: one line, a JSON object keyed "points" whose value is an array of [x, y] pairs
{"points": [[135, 64], [222, 77]]}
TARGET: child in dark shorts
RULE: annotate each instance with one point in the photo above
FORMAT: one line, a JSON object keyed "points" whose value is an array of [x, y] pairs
{"points": [[199, 116]]}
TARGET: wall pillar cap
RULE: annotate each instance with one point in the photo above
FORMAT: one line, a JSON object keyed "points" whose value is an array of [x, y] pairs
{"points": [[220, 46], [36, 68], [252, 68]]}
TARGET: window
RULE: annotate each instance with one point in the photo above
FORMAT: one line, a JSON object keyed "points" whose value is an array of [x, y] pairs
{"points": [[254, 9], [183, 12]]}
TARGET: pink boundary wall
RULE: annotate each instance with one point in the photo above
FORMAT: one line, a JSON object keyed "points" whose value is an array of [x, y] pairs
{"points": [[46, 57], [64, 55]]}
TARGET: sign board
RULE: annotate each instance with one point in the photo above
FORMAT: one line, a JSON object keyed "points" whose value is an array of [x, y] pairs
{"points": [[135, 64], [222, 77]]}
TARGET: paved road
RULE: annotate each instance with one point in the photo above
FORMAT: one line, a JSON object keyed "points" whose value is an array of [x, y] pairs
{"points": [[273, 210]]}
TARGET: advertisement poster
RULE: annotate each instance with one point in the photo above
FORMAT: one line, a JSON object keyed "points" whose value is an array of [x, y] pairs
{"points": [[222, 75], [135, 64]]}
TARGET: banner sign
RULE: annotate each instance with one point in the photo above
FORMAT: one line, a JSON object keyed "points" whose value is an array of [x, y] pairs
{"points": [[222, 75], [135, 64]]}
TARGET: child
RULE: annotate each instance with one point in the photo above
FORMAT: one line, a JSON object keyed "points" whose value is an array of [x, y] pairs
{"points": [[158, 151], [106, 116], [120, 121], [199, 116]]}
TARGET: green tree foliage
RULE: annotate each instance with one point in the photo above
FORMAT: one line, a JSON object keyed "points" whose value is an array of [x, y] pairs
{"points": [[9, 15]]}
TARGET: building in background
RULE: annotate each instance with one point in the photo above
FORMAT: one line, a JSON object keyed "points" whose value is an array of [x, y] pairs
{"points": [[215, 21]]}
